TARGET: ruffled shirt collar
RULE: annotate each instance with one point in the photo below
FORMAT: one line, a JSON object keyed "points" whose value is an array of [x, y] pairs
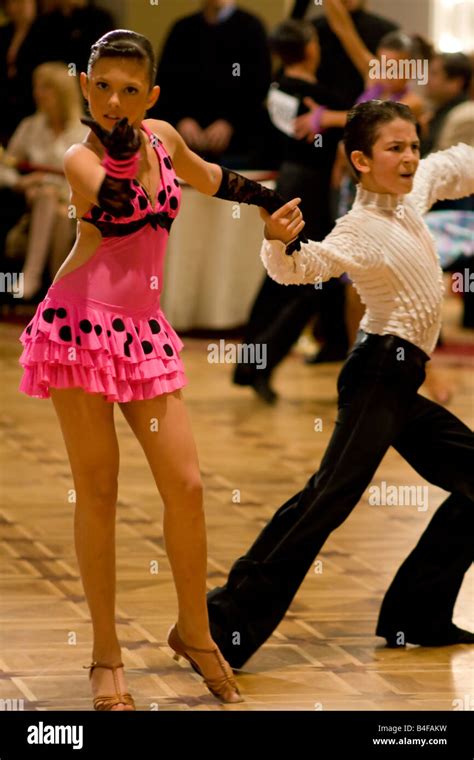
{"points": [[383, 201]]}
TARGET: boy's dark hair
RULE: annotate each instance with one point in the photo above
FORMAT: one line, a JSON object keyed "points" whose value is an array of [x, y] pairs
{"points": [[398, 41], [457, 65], [364, 120], [289, 39], [123, 43]]}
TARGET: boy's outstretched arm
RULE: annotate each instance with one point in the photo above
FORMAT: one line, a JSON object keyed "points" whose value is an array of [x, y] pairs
{"points": [[445, 174]]}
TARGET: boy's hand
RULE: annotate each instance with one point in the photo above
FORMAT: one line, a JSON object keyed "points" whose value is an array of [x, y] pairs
{"points": [[285, 223]]}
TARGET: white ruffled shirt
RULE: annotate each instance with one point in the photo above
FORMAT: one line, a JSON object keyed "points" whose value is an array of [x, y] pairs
{"points": [[387, 250]]}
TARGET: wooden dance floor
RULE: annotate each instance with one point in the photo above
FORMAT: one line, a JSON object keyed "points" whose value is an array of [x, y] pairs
{"points": [[324, 655]]}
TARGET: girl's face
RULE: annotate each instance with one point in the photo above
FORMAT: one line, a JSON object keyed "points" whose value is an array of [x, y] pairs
{"points": [[394, 161], [118, 87]]}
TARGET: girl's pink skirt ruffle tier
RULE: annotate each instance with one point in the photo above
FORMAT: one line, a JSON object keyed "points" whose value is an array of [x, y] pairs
{"points": [[124, 357]]}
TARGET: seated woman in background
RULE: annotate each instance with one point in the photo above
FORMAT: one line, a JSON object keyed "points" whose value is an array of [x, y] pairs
{"points": [[41, 141]]}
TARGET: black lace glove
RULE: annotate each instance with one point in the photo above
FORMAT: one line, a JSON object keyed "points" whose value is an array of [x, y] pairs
{"points": [[121, 144], [235, 187]]}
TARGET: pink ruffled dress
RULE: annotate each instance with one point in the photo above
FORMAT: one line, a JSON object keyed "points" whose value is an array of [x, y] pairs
{"points": [[100, 326]]}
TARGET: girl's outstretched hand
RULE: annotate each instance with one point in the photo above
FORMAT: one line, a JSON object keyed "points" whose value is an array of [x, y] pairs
{"points": [[285, 223], [121, 143]]}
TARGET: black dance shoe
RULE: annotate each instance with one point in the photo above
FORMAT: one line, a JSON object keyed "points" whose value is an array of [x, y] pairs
{"points": [[244, 374], [226, 620], [261, 386], [247, 375], [449, 637]]}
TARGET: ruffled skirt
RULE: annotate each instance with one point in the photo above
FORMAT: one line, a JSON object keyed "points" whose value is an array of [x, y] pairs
{"points": [[89, 345]]}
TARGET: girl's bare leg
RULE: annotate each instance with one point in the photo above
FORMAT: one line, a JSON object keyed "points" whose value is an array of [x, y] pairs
{"points": [[162, 428], [87, 424]]}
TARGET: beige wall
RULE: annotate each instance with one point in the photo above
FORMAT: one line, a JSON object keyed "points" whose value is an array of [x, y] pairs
{"points": [[414, 16], [155, 21]]}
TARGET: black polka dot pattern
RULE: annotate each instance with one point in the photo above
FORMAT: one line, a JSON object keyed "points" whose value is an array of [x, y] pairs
{"points": [[162, 197], [65, 333], [147, 347], [167, 162], [98, 329], [128, 209], [61, 313], [127, 343], [142, 202], [176, 182], [48, 315], [85, 325], [168, 187], [118, 325], [168, 350], [173, 203], [28, 329], [109, 333], [155, 326], [78, 340]]}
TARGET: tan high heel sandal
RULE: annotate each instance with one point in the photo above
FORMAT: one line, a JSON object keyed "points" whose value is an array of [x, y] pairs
{"points": [[106, 702], [224, 688]]}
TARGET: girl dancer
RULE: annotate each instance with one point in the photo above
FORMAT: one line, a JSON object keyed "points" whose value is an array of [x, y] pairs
{"points": [[384, 245], [99, 336]]}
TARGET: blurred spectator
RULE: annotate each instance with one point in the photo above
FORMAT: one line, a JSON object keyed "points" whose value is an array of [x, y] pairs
{"points": [[41, 140], [18, 57], [450, 122], [394, 48], [458, 126], [214, 74], [281, 312], [336, 67], [448, 86], [72, 28]]}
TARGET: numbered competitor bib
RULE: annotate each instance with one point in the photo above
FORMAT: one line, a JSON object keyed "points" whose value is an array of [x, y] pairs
{"points": [[282, 109]]}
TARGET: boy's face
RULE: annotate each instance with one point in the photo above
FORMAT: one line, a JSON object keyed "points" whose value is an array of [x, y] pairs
{"points": [[394, 161], [118, 87]]}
